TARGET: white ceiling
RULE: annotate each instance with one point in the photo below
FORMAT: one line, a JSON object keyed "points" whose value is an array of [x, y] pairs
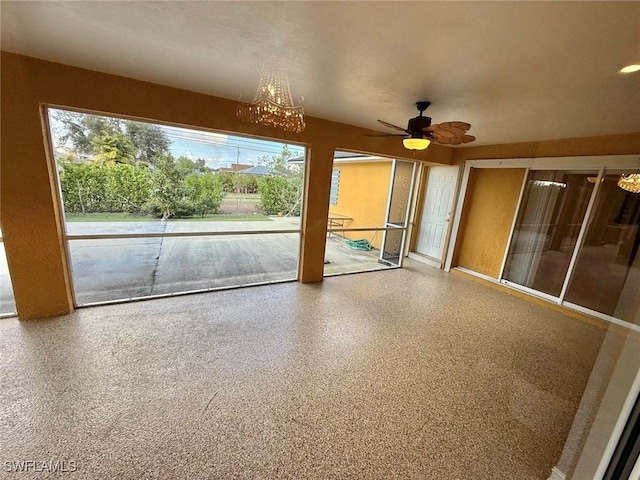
{"points": [[517, 71]]}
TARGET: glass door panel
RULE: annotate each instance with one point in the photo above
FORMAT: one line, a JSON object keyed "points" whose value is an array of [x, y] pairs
{"points": [[547, 227], [397, 212], [606, 277]]}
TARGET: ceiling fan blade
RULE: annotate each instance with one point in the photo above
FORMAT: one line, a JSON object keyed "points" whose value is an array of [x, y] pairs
{"points": [[449, 130], [462, 125], [391, 125], [456, 140], [439, 132], [468, 138], [442, 140]]}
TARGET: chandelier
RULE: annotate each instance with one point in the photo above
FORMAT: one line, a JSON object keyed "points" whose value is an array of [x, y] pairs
{"points": [[630, 183], [272, 104]]}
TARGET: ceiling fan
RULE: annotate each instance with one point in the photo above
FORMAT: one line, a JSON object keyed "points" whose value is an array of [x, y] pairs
{"points": [[420, 132]]}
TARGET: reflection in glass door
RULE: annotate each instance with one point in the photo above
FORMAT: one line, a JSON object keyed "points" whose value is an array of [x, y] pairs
{"points": [[393, 241], [552, 210], [606, 277]]}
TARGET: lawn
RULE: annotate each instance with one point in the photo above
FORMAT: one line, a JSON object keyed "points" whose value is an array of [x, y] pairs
{"points": [[127, 217]]}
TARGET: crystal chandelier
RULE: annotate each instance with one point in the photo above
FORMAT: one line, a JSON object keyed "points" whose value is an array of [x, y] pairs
{"points": [[272, 104], [630, 183]]}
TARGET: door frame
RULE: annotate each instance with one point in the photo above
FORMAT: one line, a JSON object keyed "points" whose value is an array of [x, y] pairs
{"points": [[420, 200], [389, 226]]}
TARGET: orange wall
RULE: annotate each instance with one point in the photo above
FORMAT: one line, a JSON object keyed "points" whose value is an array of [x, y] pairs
{"points": [[362, 195], [570, 147], [489, 207], [31, 224], [493, 194]]}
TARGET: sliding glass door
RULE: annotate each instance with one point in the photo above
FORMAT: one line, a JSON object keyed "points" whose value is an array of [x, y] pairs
{"points": [[575, 241], [551, 213], [606, 277]]}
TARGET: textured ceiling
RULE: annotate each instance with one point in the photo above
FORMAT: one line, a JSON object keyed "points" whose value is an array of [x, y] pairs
{"points": [[517, 71]]}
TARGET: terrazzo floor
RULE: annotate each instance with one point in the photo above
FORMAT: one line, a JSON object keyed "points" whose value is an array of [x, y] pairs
{"points": [[406, 373]]}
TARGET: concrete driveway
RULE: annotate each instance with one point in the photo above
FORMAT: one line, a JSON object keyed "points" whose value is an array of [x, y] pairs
{"points": [[115, 269]]}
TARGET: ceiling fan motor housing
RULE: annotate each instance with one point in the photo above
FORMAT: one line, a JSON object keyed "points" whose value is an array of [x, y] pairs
{"points": [[417, 124]]}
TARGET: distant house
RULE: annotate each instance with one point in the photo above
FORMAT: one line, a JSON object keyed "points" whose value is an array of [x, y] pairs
{"points": [[256, 170], [234, 168]]}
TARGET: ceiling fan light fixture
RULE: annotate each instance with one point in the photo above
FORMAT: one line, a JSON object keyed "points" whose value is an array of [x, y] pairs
{"points": [[416, 143], [630, 69]]}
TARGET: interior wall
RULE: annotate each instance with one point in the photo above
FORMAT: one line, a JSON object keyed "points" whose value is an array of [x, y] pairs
{"points": [[624, 144], [32, 227], [488, 212], [363, 191]]}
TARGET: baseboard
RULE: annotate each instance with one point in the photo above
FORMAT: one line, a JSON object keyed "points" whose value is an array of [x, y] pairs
{"points": [[557, 474], [424, 259]]}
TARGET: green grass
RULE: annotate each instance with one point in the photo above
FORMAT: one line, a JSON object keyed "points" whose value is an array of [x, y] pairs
{"points": [[127, 217]]}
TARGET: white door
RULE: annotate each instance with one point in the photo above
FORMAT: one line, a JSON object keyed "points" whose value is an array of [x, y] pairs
{"points": [[436, 211]]}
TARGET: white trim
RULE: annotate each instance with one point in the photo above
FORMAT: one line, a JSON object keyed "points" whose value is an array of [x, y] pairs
{"points": [[418, 257], [586, 222], [556, 474], [531, 291], [623, 418], [457, 216], [514, 221], [593, 162], [601, 316]]}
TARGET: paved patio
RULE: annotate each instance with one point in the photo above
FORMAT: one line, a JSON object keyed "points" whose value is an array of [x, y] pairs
{"points": [[116, 269]]}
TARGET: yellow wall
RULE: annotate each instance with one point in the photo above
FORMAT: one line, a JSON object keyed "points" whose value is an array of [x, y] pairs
{"points": [[487, 216], [29, 212], [363, 192]]}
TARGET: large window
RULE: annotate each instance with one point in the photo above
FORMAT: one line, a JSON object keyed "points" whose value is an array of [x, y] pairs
{"points": [[157, 210]]}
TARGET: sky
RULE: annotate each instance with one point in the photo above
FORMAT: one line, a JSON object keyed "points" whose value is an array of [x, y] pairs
{"points": [[217, 149], [220, 150]]}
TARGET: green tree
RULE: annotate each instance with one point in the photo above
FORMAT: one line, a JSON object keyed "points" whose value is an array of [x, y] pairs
{"points": [[79, 131], [168, 196], [204, 193], [83, 187], [112, 148], [227, 181], [128, 188], [201, 166], [93, 187], [281, 192], [150, 140], [185, 166]]}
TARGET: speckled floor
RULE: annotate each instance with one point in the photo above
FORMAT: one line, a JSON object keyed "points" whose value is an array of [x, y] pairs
{"points": [[408, 373]]}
